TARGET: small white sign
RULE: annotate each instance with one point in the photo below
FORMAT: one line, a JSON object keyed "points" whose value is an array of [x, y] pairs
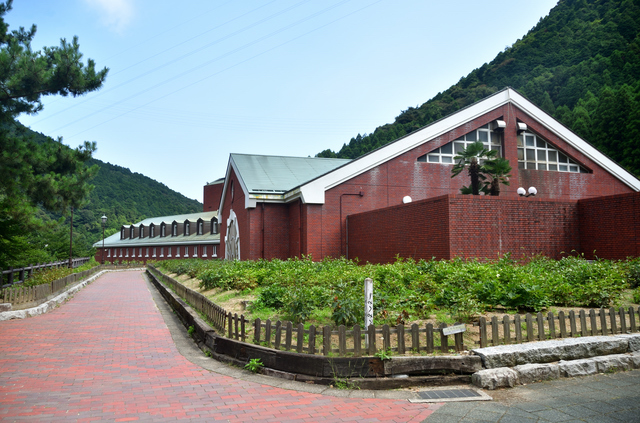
{"points": [[453, 330], [368, 302]]}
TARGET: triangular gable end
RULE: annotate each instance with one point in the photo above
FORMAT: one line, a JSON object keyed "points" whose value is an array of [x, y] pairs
{"points": [[313, 191]]}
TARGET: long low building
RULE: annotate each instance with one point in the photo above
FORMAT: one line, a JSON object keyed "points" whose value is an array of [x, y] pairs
{"points": [[194, 235]]}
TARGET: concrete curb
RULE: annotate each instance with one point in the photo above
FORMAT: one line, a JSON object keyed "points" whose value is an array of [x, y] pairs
{"points": [[56, 301], [511, 365]]}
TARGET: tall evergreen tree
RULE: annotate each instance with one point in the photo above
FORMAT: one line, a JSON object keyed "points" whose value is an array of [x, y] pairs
{"points": [[47, 174]]}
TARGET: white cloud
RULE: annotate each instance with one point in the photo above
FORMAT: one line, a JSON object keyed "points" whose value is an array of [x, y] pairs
{"points": [[115, 14]]}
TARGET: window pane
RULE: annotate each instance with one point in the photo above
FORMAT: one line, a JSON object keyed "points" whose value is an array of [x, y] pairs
{"points": [[553, 167], [471, 136], [529, 140], [531, 154], [553, 156], [447, 148], [483, 136], [573, 169], [542, 156], [433, 158], [531, 165], [562, 158], [520, 165], [495, 138], [520, 153], [458, 147], [422, 158], [540, 143], [542, 166], [447, 159], [563, 168], [520, 141]]}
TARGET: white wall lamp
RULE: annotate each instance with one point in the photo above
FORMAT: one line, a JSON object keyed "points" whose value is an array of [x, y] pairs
{"points": [[531, 192], [522, 127], [406, 199]]}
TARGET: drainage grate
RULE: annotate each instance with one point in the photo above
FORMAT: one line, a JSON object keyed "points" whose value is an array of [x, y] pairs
{"points": [[448, 393], [445, 395]]}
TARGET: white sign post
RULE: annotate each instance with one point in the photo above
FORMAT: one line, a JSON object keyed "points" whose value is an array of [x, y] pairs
{"points": [[368, 307]]}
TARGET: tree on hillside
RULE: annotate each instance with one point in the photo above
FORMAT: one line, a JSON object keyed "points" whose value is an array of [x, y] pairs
{"points": [[34, 173], [583, 51]]}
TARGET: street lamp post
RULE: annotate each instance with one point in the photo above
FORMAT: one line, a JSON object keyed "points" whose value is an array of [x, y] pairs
{"points": [[104, 221]]}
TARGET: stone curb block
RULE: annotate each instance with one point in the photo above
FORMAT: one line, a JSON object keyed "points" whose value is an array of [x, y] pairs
{"points": [[52, 303], [503, 377], [554, 350], [506, 377]]}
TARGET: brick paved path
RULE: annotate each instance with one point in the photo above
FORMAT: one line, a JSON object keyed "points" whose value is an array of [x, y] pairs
{"points": [[107, 355]]}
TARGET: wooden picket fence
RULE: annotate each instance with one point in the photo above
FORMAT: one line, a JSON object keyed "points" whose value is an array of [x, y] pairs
{"points": [[20, 295], [215, 314], [400, 339], [515, 330], [19, 275]]}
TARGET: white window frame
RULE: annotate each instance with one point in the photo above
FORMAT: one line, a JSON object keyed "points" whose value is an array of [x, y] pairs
{"points": [[215, 251], [536, 153], [161, 251], [446, 154], [140, 252], [178, 251], [195, 251], [204, 251], [146, 252]]}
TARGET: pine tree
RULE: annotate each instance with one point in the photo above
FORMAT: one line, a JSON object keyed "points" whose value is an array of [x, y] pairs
{"points": [[36, 173]]}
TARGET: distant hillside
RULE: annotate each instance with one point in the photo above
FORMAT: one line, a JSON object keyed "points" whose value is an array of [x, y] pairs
{"points": [[124, 197], [581, 64]]}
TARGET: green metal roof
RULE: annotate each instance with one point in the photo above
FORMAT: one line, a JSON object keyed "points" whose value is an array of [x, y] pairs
{"points": [[207, 238], [278, 174]]}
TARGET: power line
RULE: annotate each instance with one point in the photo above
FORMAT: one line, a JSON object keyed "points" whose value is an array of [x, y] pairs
{"points": [[230, 67]]}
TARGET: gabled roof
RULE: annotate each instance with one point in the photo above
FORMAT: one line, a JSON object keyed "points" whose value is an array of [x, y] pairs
{"points": [[279, 174], [313, 191], [272, 177], [115, 241]]}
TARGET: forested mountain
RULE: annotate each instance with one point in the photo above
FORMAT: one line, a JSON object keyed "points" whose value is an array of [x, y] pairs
{"points": [[125, 197], [581, 64]]}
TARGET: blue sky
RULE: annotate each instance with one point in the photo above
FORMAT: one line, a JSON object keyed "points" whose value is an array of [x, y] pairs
{"points": [[191, 82]]}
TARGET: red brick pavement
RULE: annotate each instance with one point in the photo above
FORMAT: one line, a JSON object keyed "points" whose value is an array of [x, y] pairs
{"points": [[107, 355]]}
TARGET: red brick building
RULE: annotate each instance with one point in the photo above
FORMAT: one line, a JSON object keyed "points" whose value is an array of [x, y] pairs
{"points": [[279, 207], [401, 200]]}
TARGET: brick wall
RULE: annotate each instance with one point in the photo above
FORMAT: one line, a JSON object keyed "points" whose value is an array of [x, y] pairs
{"points": [[610, 226], [419, 230], [489, 227], [212, 195], [386, 184], [236, 203], [465, 226]]}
